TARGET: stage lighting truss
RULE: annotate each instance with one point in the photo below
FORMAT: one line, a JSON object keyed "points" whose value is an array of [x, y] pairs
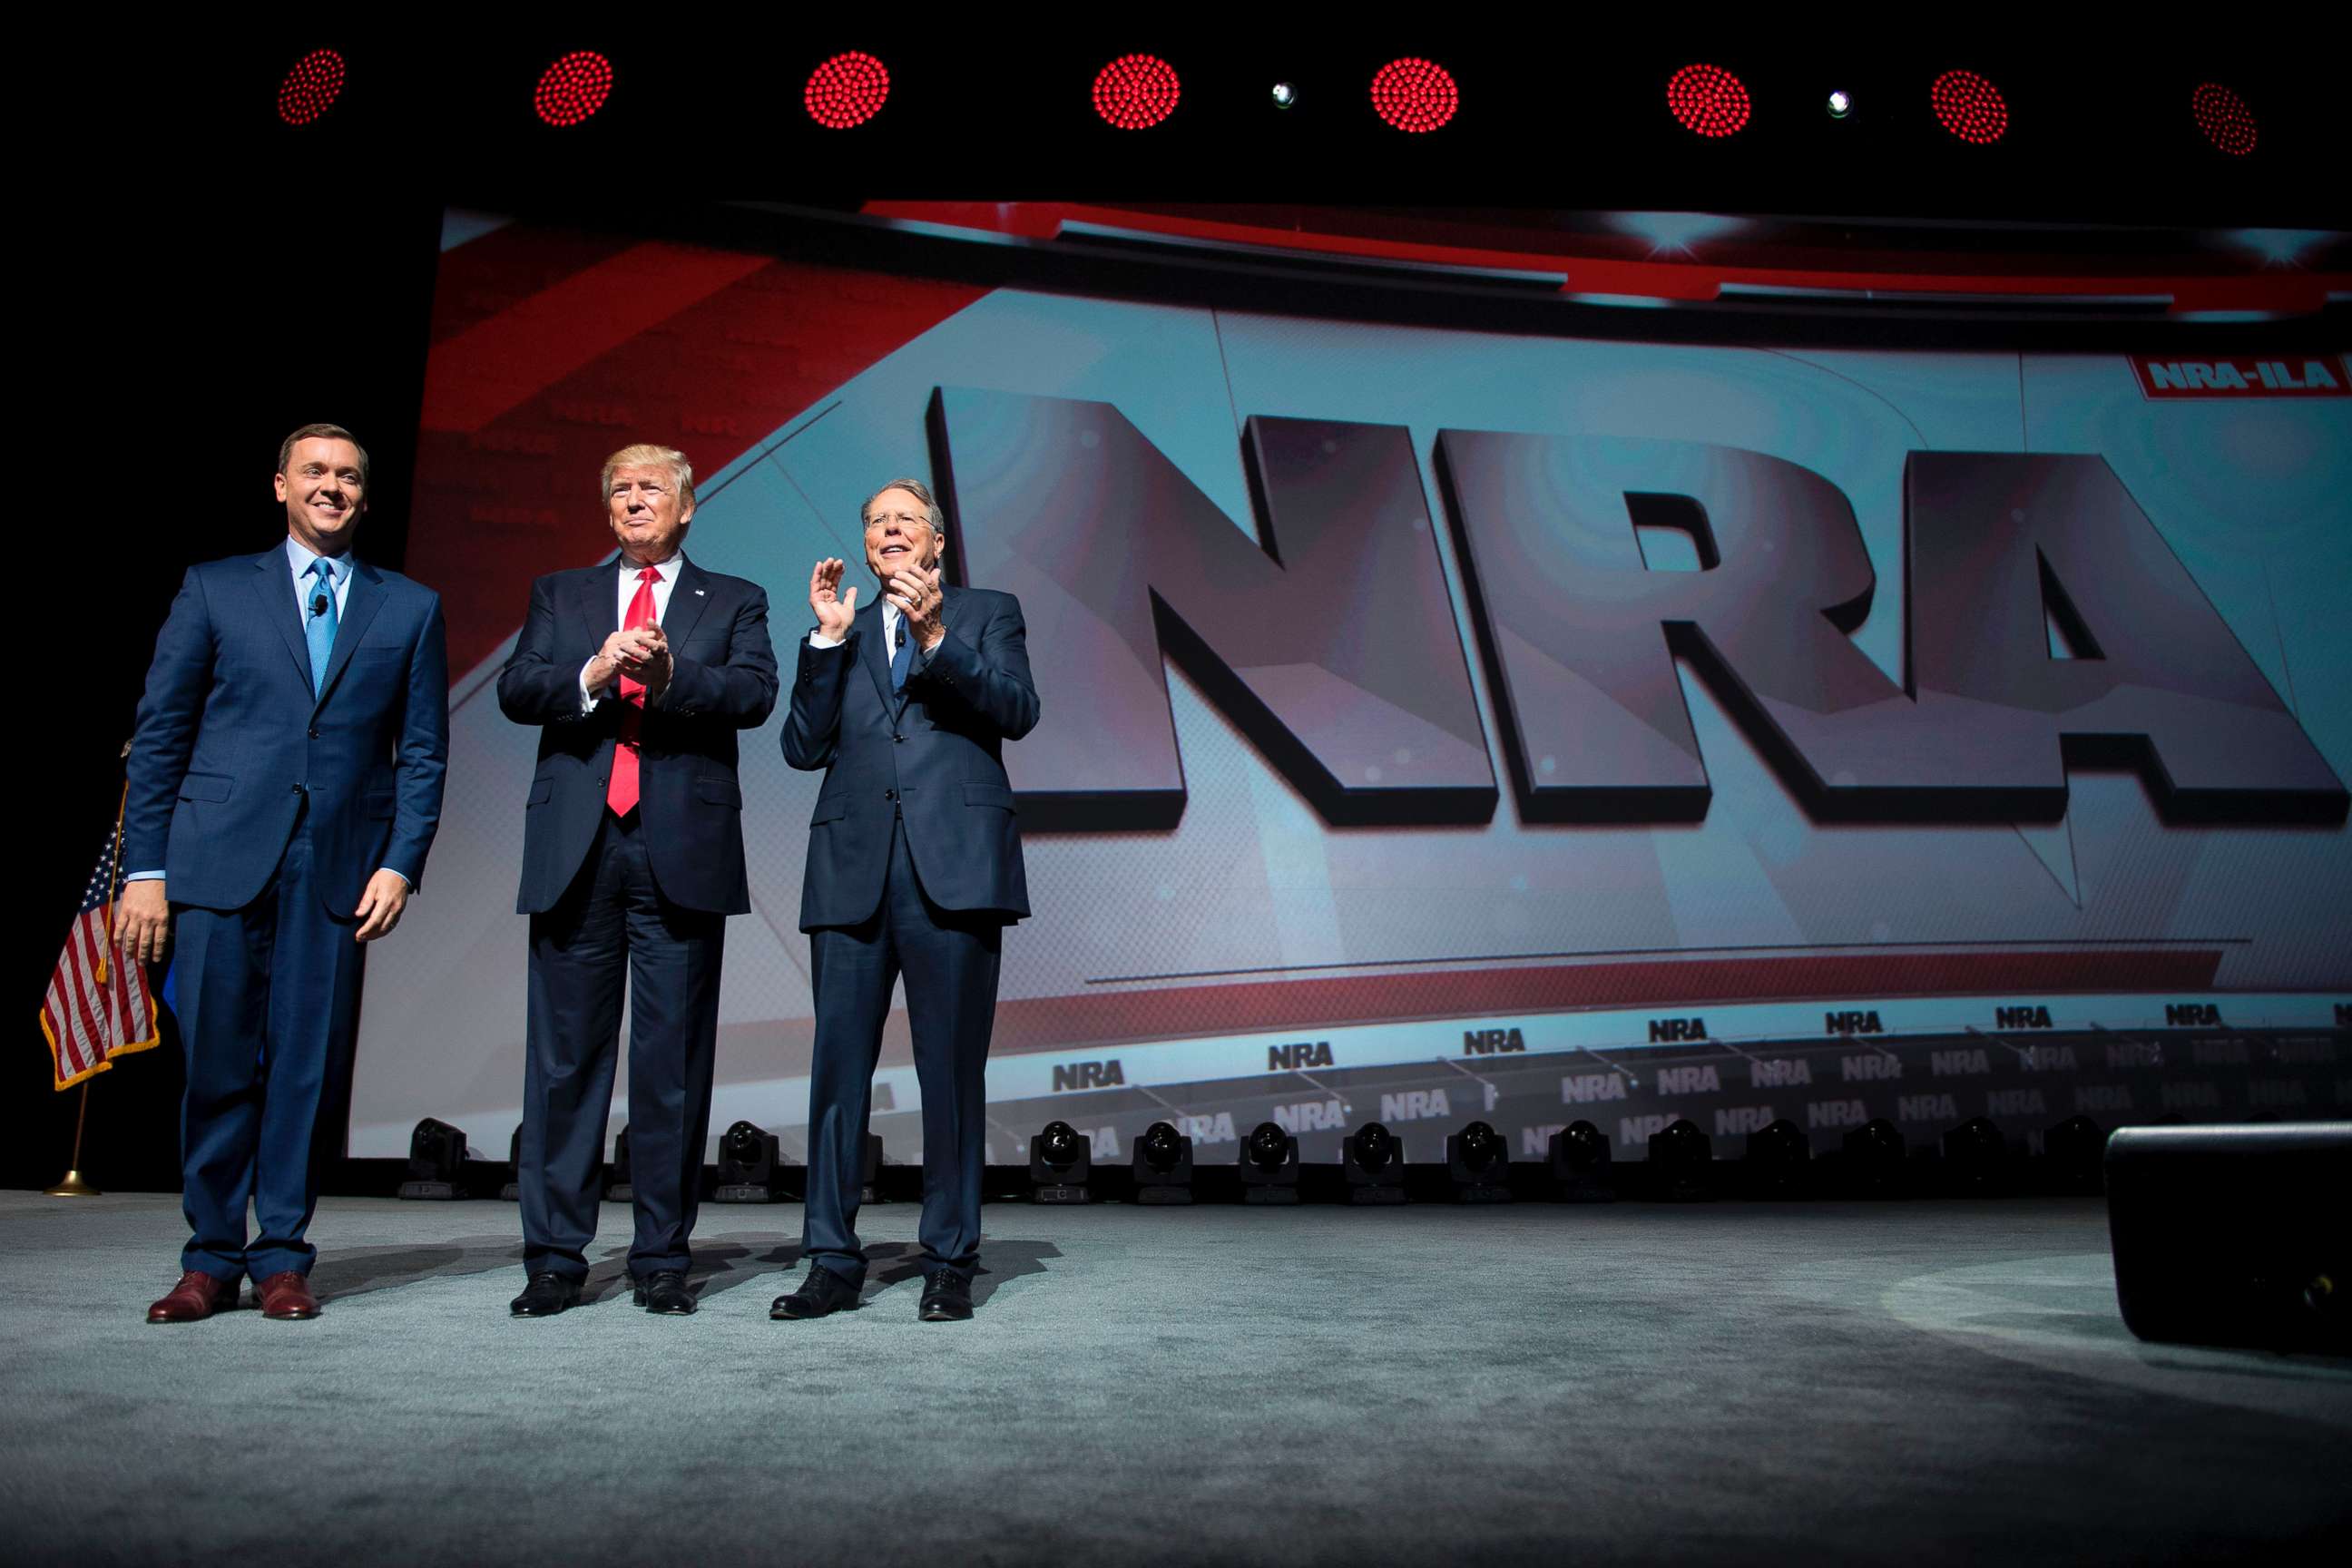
{"points": [[2225, 117], [1415, 95], [311, 87], [1707, 100], [1269, 1165], [1061, 1157], [1135, 92], [847, 90], [574, 89], [437, 1161], [1970, 107]]}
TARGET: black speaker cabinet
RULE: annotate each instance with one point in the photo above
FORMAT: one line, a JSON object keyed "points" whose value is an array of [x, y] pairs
{"points": [[2235, 1234]]}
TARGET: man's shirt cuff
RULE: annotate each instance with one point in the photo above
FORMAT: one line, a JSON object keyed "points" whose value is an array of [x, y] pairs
{"points": [[142, 876]]}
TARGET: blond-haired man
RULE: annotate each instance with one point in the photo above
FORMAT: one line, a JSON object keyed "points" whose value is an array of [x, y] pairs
{"points": [[639, 672]]}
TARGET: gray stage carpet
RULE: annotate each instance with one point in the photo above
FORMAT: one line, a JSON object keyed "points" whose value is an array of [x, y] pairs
{"points": [[1934, 1382]]}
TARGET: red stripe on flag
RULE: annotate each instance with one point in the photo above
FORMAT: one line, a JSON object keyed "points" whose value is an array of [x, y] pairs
{"points": [[92, 997]]}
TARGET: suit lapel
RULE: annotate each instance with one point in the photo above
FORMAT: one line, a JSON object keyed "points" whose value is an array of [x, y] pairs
{"points": [[689, 596], [361, 602], [282, 605]]}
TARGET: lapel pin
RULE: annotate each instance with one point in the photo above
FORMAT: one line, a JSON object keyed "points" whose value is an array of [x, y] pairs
{"points": [[698, 593]]}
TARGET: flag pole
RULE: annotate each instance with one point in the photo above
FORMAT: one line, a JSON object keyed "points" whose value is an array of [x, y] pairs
{"points": [[73, 1184]]}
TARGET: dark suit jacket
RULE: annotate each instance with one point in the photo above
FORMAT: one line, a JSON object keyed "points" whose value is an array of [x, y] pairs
{"points": [[690, 803], [230, 739], [938, 763]]}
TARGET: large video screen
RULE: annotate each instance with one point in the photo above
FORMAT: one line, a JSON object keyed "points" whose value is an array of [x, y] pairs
{"points": [[1444, 722]]}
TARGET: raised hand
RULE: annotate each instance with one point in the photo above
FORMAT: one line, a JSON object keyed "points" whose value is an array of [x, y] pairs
{"points": [[835, 609], [917, 594]]}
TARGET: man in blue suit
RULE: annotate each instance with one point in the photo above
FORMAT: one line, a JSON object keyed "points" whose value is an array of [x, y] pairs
{"points": [[639, 672], [285, 783], [914, 869]]}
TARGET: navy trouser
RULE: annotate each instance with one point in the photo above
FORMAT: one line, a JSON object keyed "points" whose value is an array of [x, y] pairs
{"points": [[614, 925], [267, 1006], [950, 962]]}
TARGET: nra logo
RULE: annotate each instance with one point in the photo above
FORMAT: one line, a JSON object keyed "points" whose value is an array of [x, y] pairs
{"points": [[2275, 1092], [2192, 1016], [2135, 1054], [1088, 1075], [1739, 1118], [1871, 1069], [2109, 1097], [1783, 1073], [1689, 1080], [1585, 1088], [1298, 1054], [2306, 1051], [1851, 1021], [1927, 1108], [1487, 1042], [2021, 1018], [1633, 1131], [2048, 1059], [1311, 1116], [2191, 1096], [1666, 1031], [1217, 1128], [2001, 1103], [1535, 1142], [1967, 1062], [1416, 1105], [2296, 377], [1836, 1113], [2220, 1053]]}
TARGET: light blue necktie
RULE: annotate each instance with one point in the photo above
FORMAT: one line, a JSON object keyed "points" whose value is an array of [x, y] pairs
{"points": [[318, 622], [900, 657]]}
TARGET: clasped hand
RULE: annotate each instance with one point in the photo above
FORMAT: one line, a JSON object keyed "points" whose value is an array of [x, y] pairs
{"points": [[641, 653]]}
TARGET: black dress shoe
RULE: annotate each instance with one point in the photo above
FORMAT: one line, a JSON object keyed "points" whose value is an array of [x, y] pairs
{"points": [[823, 1292], [947, 1297], [666, 1292], [546, 1295]]}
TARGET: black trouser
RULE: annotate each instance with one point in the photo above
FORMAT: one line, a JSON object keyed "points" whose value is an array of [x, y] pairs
{"points": [[950, 962], [613, 924]]}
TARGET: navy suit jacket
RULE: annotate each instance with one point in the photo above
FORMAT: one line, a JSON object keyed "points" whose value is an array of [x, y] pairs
{"points": [[938, 761], [690, 802], [231, 740]]}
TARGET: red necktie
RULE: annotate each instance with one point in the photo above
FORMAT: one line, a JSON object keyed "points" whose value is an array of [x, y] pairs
{"points": [[621, 794]]}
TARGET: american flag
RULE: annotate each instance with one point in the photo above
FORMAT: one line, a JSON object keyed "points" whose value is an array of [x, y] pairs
{"points": [[96, 1006]]}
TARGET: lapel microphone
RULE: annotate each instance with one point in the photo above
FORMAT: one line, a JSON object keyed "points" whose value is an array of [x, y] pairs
{"points": [[318, 604]]}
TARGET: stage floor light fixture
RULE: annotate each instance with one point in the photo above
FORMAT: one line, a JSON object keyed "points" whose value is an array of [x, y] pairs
{"points": [[311, 87], [1778, 1159], [847, 90], [750, 1166], [1580, 1165], [512, 1191], [1682, 1162], [437, 1161], [618, 1189], [1374, 1162], [1061, 1159], [1976, 1156], [1163, 1165], [1479, 1163], [2073, 1153], [1269, 1165], [1872, 1160]]}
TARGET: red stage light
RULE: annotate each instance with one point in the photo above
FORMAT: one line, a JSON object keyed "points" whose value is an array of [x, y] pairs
{"points": [[1136, 91], [1970, 107], [573, 88], [310, 87], [1707, 99], [2225, 117], [1414, 94], [848, 89]]}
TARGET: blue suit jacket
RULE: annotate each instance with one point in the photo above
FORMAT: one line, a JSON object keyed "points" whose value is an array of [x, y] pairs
{"points": [[690, 802], [938, 763], [230, 739]]}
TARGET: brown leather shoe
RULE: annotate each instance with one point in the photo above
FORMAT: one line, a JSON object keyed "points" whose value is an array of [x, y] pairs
{"points": [[285, 1297], [197, 1297]]}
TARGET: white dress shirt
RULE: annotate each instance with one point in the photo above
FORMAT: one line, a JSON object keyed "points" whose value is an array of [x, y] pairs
{"points": [[626, 593]]}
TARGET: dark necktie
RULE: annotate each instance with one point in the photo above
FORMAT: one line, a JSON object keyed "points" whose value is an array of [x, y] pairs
{"points": [[900, 657]]}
